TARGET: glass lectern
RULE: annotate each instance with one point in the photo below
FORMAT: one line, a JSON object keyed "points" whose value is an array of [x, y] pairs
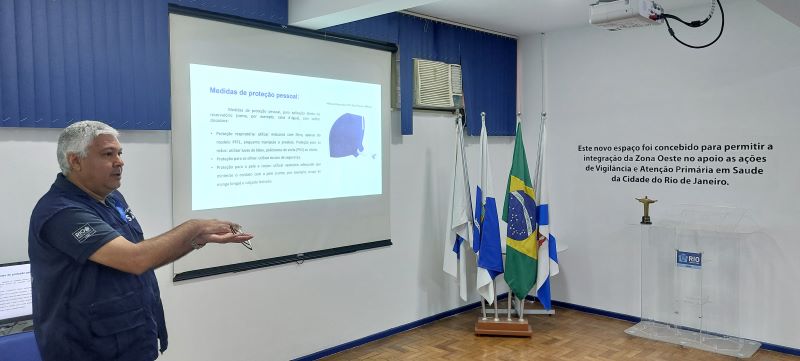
{"points": [[690, 280]]}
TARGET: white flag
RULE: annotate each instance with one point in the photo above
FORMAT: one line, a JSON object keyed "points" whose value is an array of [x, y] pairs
{"points": [[458, 237]]}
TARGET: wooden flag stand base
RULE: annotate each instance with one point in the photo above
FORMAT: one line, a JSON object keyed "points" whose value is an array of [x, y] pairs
{"points": [[503, 327]]}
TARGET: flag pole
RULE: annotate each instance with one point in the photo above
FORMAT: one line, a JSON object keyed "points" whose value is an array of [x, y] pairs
{"points": [[510, 293], [496, 312], [539, 158], [540, 166], [510, 297], [540, 147], [542, 128]]}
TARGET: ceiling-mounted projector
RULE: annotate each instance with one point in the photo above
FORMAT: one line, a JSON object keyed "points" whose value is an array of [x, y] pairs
{"points": [[624, 14]]}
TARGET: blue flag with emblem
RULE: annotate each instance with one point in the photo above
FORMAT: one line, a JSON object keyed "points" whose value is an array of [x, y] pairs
{"points": [[487, 244], [548, 257]]}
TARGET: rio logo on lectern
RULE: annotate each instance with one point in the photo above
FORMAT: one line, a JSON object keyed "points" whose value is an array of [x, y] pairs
{"points": [[689, 259]]}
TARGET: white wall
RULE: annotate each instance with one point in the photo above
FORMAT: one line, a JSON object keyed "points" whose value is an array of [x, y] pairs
{"points": [[640, 86], [600, 85], [291, 310]]}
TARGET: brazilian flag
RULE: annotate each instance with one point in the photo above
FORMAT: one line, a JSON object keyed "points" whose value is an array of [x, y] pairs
{"points": [[519, 213]]}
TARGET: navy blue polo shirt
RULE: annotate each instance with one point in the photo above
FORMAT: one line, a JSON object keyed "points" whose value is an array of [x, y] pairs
{"points": [[83, 310]]}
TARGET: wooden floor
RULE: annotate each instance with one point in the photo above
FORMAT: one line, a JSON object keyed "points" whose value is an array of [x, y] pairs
{"points": [[568, 335]]}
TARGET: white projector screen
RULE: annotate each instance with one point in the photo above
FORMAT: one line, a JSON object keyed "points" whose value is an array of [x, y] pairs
{"points": [[285, 134]]}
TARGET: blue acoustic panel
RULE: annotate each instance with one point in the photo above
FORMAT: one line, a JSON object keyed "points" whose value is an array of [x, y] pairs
{"points": [[488, 65], [273, 11], [489, 74], [381, 28], [63, 61], [68, 60]]}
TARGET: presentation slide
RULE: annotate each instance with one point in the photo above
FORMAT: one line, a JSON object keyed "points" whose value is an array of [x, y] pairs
{"points": [[261, 137], [285, 134], [15, 291]]}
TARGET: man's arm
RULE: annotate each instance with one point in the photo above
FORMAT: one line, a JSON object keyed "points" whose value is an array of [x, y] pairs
{"points": [[137, 258]]}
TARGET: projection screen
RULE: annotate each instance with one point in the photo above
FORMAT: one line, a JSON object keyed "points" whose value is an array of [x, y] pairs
{"points": [[285, 134]]}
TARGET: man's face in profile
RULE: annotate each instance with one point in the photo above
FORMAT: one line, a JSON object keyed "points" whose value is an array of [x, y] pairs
{"points": [[101, 171]]}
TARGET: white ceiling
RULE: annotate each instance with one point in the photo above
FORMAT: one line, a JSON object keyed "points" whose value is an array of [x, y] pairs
{"points": [[512, 17], [523, 17]]}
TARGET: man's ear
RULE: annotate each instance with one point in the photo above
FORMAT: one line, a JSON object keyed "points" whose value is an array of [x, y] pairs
{"points": [[74, 161]]}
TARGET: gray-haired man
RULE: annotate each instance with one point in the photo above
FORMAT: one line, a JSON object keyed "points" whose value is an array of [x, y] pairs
{"points": [[95, 295]]}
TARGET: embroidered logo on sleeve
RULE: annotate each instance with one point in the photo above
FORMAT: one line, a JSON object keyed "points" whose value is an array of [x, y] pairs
{"points": [[83, 233], [129, 215]]}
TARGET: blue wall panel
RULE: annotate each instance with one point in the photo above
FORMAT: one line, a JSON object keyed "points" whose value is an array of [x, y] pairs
{"points": [[273, 11], [382, 28], [63, 61], [66, 60], [488, 64], [9, 103]]}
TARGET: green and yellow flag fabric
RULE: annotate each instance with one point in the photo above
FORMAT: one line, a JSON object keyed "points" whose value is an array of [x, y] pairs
{"points": [[519, 213]]}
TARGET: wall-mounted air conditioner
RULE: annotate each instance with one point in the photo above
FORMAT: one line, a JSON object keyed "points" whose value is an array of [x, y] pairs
{"points": [[437, 85]]}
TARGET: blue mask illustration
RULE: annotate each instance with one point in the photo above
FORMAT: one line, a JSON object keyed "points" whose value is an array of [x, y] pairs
{"points": [[347, 136]]}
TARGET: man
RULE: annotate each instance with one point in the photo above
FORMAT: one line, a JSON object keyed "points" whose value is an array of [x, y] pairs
{"points": [[95, 295]]}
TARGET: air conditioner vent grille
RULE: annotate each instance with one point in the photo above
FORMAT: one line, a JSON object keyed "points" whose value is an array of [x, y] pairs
{"points": [[455, 71], [435, 84]]}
